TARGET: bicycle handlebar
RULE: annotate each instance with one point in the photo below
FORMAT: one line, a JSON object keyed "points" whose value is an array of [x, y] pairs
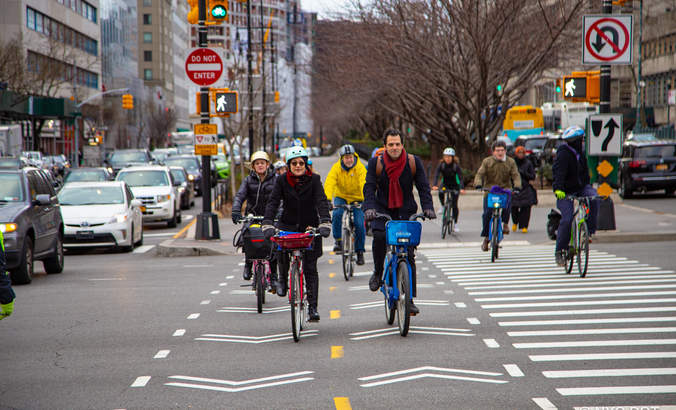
{"points": [[411, 218], [354, 205]]}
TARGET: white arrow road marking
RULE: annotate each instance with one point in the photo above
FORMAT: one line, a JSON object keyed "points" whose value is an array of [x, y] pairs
{"points": [[237, 309], [588, 391], [610, 372], [429, 371], [380, 304], [253, 339], [289, 379], [441, 331]]}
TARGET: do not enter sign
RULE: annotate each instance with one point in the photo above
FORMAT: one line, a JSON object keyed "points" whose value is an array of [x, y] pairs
{"points": [[203, 66]]}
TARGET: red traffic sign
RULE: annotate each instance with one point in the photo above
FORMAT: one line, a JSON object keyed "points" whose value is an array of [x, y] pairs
{"points": [[203, 66], [607, 40]]}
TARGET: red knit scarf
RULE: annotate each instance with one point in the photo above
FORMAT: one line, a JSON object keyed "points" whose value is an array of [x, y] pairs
{"points": [[293, 180], [394, 168]]}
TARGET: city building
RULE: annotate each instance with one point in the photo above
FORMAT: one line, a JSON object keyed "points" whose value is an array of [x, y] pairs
{"points": [[156, 48], [181, 42]]}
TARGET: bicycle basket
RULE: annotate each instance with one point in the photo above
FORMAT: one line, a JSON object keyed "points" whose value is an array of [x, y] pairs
{"points": [[254, 243], [294, 240], [403, 232], [497, 200]]}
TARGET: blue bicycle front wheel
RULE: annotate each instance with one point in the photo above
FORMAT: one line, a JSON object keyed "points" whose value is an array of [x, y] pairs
{"points": [[404, 301]]}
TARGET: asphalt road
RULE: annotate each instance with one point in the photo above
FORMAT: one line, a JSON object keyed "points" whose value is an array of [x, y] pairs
{"points": [[118, 330]]}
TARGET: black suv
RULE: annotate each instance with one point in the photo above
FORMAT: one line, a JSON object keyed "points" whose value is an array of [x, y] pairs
{"points": [[647, 166], [123, 158], [549, 149], [31, 222], [534, 145]]}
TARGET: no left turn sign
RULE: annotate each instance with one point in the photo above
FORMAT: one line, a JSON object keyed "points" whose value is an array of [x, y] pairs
{"points": [[607, 39]]}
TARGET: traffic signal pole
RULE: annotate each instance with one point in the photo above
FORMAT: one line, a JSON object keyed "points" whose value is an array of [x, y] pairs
{"points": [[249, 80], [604, 103], [207, 217]]}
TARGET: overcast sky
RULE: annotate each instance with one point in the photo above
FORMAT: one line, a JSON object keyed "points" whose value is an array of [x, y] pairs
{"points": [[323, 7]]}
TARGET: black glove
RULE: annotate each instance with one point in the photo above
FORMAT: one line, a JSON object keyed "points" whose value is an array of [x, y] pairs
{"points": [[429, 214], [325, 229], [236, 217], [478, 187], [517, 191], [268, 231], [370, 214]]}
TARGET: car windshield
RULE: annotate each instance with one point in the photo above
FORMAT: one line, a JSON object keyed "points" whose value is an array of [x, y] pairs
{"points": [[190, 164], [131, 156], [99, 195], [178, 175], [10, 188], [144, 178], [85, 175], [656, 151], [535, 143]]}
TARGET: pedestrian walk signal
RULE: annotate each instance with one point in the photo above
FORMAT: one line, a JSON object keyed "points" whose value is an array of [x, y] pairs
{"points": [[574, 87], [128, 101], [582, 86], [225, 102]]}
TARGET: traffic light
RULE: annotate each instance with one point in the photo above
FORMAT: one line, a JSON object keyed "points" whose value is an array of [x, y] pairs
{"points": [[217, 11], [128, 101], [276, 96], [499, 87], [558, 85], [582, 86], [193, 14]]}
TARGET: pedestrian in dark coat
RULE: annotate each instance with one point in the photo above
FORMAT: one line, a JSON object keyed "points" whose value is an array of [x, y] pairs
{"points": [[527, 197], [6, 293]]}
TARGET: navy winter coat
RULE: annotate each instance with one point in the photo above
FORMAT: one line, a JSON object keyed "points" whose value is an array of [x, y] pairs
{"points": [[570, 170]]}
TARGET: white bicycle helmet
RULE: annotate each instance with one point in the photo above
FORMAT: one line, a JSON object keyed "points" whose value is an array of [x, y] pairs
{"points": [[279, 164], [449, 151], [260, 155], [296, 152], [346, 149]]}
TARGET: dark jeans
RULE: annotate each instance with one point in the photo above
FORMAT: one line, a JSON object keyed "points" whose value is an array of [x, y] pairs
{"points": [[521, 216], [454, 204], [309, 273], [359, 229], [380, 248], [486, 217], [566, 206]]}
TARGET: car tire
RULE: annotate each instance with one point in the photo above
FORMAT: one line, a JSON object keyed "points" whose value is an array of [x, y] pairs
{"points": [[624, 191], [54, 264], [140, 241], [171, 223], [24, 273], [179, 218]]}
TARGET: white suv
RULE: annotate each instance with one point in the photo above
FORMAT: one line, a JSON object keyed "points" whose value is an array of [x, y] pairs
{"points": [[154, 187]]}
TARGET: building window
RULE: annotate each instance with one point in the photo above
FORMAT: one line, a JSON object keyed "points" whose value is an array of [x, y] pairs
{"points": [[147, 74], [147, 3], [30, 18], [147, 56], [147, 19], [147, 37]]}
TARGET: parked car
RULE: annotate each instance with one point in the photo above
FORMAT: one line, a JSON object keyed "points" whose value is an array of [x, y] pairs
{"points": [[13, 162], [534, 145], [154, 187], [161, 154], [88, 175], [222, 165], [129, 157], [57, 164], [101, 214], [192, 166], [34, 158], [549, 149], [185, 187], [31, 223], [647, 166]]}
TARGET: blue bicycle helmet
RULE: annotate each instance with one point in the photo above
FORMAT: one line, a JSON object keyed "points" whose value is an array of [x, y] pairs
{"points": [[572, 133], [296, 152]]}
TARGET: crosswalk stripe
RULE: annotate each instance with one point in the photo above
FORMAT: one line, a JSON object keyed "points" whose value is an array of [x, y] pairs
{"points": [[523, 266], [659, 371], [601, 331], [580, 296], [588, 321], [530, 260], [602, 356], [594, 343], [584, 311], [595, 391], [548, 272], [503, 292], [575, 283], [561, 279], [583, 303]]}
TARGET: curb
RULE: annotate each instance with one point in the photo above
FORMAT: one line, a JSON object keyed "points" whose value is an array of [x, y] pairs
{"points": [[174, 248], [629, 237]]}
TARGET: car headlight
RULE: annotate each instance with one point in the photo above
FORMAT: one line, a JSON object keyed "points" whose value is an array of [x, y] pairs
{"points": [[8, 227], [163, 198], [191, 177], [118, 219]]}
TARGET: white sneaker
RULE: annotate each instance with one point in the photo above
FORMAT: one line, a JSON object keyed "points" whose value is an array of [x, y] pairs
{"points": [[455, 229]]}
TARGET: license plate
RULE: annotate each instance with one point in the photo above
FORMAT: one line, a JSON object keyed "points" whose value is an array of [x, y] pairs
{"points": [[661, 167], [84, 234]]}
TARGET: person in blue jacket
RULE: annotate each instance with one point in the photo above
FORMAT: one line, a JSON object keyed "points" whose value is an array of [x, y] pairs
{"points": [[6, 293]]}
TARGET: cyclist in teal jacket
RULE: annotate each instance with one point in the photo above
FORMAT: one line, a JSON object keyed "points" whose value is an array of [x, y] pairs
{"points": [[6, 293]]}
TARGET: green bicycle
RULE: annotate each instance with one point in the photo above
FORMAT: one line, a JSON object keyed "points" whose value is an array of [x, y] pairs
{"points": [[578, 249]]}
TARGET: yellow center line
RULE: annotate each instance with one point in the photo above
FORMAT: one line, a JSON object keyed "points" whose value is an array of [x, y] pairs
{"points": [[185, 228], [337, 352], [332, 288], [335, 314], [331, 261], [342, 403], [332, 274]]}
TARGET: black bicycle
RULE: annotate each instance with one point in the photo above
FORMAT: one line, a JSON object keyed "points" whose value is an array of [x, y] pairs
{"points": [[347, 242], [447, 219]]}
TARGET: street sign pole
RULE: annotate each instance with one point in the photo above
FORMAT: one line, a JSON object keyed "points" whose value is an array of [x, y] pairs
{"points": [[207, 217]]}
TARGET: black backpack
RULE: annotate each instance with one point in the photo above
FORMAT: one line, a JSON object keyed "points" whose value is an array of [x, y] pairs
{"points": [[553, 220]]}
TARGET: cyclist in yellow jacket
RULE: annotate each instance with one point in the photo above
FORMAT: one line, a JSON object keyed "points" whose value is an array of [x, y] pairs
{"points": [[345, 185], [6, 292]]}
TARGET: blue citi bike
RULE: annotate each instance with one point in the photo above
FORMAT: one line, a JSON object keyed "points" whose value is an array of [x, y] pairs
{"points": [[497, 202], [397, 283]]}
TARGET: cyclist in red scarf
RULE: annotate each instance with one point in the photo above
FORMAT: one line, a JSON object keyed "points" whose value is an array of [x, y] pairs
{"points": [[389, 190]]}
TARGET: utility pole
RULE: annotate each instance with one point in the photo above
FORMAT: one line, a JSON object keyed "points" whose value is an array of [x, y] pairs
{"points": [[639, 101], [249, 83], [604, 101], [263, 121], [295, 69]]}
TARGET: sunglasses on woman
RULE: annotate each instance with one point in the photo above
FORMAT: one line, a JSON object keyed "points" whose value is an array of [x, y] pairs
{"points": [[297, 163]]}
